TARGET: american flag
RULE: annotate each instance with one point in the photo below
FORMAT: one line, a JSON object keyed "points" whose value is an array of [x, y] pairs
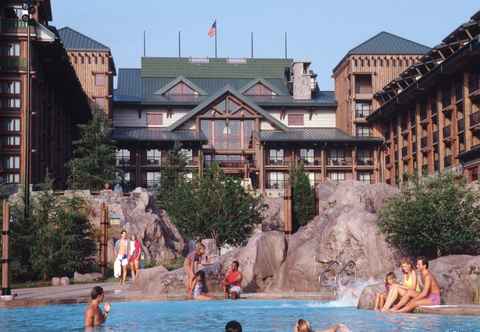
{"points": [[213, 29]]}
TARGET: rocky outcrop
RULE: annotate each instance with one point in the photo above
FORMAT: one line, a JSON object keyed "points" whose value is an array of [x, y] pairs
{"points": [[259, 260], [138, 214], [87, 277], [273, 215], [341, 242], [457, 275]]}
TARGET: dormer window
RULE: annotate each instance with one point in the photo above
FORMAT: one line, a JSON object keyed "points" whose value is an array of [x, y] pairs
{"points": [[181, 89], [259, 90]]}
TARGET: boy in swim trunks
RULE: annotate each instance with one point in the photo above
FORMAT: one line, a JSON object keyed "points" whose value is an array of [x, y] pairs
{"points": [[430, 295], [232, 282]]}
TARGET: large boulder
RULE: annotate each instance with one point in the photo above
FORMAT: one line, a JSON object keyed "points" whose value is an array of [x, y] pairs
{"points": [[259, 260], [137, 213], [458, 277], [273, 215], [87, 277], [343, 237]]}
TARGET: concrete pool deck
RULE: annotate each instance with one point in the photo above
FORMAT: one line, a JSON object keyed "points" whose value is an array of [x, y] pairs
{"points": [[80, 293]]}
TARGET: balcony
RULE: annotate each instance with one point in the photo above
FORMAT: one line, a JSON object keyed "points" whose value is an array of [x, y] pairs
{"points": [[474, 119], [9, 25], [13, 63], [279, 162], [152, 162], [387, 160], [367, 161], [436, 165], [123, 162], [435, 137], [310, 162], [473, 83], [347, 161], [447, 161], [152, 183], [404, 151], [424, 142], [414, 148], [461, 125]]}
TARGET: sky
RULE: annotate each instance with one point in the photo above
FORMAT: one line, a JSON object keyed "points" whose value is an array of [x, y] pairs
{"points": [[320, 31]]}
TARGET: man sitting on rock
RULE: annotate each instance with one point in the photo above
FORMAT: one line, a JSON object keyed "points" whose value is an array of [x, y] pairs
{"points": [[192, 265], [430, 295], [232, 282]]}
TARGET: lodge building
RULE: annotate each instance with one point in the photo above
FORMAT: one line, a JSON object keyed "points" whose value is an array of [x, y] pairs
{"points": [[429, 115], [57, 101]]}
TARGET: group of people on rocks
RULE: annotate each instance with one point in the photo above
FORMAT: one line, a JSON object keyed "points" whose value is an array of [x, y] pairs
{"points": [[128, 254], [196, 282], [412, 292]]}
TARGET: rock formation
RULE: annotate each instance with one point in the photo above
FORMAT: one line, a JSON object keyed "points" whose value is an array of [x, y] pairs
{"points": [[345, 231]]}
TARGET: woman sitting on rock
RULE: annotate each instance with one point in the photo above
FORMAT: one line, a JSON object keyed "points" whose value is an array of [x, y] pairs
{"points": [[410, 281], [199, 287], [390, 280]]}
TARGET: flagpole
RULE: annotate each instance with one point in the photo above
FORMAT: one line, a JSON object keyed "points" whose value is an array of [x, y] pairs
{"points": [[179, 44], [251, 45], [216, 33], [286, 46]]}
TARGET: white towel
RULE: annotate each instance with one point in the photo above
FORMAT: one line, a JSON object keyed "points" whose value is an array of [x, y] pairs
{"points": [[117, 268]]}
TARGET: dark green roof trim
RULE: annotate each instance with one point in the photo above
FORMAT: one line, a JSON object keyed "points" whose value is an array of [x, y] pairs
{"points": [[259, 81], [180, 79], [142, 134], [74, 40], [315, 135], [227, 90], [215, 68]]}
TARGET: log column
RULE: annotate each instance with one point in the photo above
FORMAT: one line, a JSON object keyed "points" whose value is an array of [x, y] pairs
{"points": [[5, 230]]}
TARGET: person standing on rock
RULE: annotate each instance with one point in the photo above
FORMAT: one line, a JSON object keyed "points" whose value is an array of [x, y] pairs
{"points": [[232, 282], [122, 249], [135, 253], [192, 265], [94, 316]]}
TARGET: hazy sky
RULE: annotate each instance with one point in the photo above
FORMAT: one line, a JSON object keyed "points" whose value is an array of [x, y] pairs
{"points": [[318, 30]]}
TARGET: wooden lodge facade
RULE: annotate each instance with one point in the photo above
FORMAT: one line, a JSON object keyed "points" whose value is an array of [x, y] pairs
{"points": [[429, 115], [256, 118], [56, 99]]}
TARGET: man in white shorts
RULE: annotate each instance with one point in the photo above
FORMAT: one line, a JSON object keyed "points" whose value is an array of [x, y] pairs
{"points": [[122, 248], [232, 282]]}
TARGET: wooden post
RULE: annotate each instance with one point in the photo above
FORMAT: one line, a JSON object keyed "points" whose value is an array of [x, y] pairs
{"points": [[5, 259], [104, 239], [287, 209]]}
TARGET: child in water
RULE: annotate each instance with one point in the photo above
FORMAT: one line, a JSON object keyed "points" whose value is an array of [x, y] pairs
{"points": [[390, 279], [199, 287]]}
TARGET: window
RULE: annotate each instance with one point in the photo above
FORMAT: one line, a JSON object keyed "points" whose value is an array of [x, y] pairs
{"points": [[153, 179], [100, 79], [307, 156], [11, 162], [155, 119], [362, 109], [363, 130], [188, 155], [277, 180], [10, 49], [12, 125], [181, 89], [10, 87], [259, 90], [276, 157], [364, 157], [336, 176], [295, 119], [336, 156], [474, 174], [11, 140], [311, 178], [365, 177], [154, 156], [10, 178], [363, 84], [123, 157], [13, 103]]}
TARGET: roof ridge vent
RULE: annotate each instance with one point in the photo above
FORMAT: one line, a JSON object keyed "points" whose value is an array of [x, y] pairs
{"points": [[199, 60], [237, 61]]}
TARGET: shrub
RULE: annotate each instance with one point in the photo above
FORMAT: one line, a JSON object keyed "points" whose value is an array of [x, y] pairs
{"points": [[433, 217], [303, 197]]}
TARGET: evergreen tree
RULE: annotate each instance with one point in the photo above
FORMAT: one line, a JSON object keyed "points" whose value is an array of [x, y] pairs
{"points": [[172, 174], [93, 164], [303, 197]]}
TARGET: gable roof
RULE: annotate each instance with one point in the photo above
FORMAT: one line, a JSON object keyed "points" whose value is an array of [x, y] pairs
{"points": [[129, 87], [217, 68], [180, 79], [201, 107], [156, 134], [259, 81], [74, 40], [385, 43]]}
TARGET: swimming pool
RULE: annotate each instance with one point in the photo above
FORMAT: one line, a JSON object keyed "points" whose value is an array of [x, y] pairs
{"points": [[254, 315]]}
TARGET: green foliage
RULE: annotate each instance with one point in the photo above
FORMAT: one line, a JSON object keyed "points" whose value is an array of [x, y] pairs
{"points": [[214, 206], [303, 197], [433, 217], [55, 240], [93, 164]]}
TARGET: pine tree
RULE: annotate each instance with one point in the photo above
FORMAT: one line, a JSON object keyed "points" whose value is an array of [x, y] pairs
{"points": [[303, 197], [93, 164]]}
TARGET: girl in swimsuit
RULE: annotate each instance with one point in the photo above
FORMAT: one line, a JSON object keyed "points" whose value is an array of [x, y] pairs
{"points": [[199, 287], [390, 280], [410, 282]]}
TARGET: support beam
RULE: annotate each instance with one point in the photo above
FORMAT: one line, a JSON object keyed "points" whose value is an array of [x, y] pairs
{"points": [[5, 246]]}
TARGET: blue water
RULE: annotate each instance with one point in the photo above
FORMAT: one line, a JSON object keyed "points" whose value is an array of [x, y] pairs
{"points": [[254, 315]]}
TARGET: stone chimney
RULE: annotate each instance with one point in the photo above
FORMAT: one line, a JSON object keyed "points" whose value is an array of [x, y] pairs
{"points": [[302, 79]]}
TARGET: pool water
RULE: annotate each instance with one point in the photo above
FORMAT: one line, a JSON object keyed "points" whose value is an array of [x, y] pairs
{"points": [[254, 315]]}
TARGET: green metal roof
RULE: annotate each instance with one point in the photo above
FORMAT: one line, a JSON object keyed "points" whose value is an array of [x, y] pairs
{"points": [[214, 68], [156, 134], [314, 135]]}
